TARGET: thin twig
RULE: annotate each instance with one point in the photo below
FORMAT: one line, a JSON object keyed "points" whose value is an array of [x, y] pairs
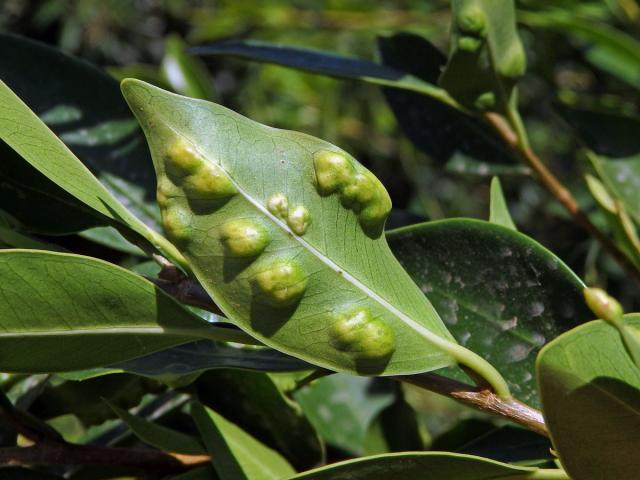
{"points": [[62, 453], [480, 399], [561, 193], [187, 291]]}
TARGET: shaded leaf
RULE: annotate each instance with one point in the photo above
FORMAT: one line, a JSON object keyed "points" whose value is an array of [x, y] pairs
{"points": [[235, 454], [267, 414], [590, 390], [425, 466], [159, 436], [318, 61], [439, 130], [67, 312], [342, 408], [99, 129], [484, 45], [501, 293]]}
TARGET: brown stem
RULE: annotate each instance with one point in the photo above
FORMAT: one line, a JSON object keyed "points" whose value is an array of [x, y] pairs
{"points": [[561, 193], [62, 453], [187, 291], [480, 399]]}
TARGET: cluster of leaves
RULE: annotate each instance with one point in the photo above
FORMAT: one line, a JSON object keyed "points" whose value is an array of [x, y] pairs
{"points": [[99, 350]]}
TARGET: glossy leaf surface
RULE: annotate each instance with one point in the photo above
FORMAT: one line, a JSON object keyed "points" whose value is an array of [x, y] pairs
{"points": [[485, 46], [501, 293], [441, 131], [67, 312], [590, 391], [261, 216], [99, 129], [318, 61], [423, 466], [235, 454]]}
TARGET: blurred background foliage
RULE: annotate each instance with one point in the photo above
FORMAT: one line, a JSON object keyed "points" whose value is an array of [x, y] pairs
{"points": [[580, 53]]}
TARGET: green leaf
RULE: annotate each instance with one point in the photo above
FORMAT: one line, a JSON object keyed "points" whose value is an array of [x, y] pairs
{"points": [[186, 75], [342, 408], [235, 454], [269, 416], [484, 46], [99, 129], [498, 210], [258, 213], [111, 238], [429, 123], [166, 439], [183, 364], [24, 132], [502, 294], [63, 312], [590, 391], [423, 466], [612, 50], [318, 61]]}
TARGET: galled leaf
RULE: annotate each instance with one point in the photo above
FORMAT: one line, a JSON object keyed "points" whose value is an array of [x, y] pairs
{"points": [[285, 232]]}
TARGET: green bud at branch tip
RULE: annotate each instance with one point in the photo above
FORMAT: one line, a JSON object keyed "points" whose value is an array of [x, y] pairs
{"points": [[603, 305]]}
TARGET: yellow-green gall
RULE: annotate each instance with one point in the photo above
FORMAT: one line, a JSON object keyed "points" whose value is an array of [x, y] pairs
{"points": [[603, 305], [471, 19], [208, 183], [299, 219], [243, 238], [176, 222], [363, 336], [485, 101], [514, 62], [333, 171], [183, 158], [278, 205], [469, 44], [361, 190], [282, 284]]}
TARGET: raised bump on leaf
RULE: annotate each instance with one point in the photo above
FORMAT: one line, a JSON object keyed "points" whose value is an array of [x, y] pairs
{"points": [[333, 171], [471, 20], [469, 44], [244, 238], [282, 284], [278, 205], [485, 101], [176, 221], [299, 219], [362, 336], [208, 183], [182, 158]]}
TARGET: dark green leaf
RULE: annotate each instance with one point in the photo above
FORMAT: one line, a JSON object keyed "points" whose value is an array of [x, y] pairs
{"points": [[235, 454], [268, 415], [158, 436], [590, 391], [318, 61], [98, 128], [63, 312], [501, 293], [438, 129], [183, 364], [342, 408]]}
